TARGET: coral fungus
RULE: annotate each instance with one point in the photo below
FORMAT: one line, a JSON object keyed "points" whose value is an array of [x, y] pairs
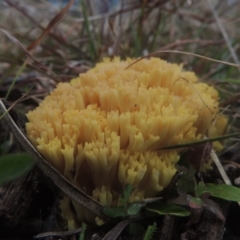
{"points": [[104, 129]]}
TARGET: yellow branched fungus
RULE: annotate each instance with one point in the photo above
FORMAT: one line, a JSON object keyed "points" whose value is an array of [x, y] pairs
{"points": [[104, 129]]}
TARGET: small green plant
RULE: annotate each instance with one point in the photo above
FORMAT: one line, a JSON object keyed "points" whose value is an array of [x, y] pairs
{"points": [[150, 231], [126, 209], [196, 195], [133, 209], [193, 195], [83, 230]]}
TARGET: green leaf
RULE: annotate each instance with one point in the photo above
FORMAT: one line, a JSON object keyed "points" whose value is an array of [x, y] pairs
{"points": [[126, 195], [185, 185], [223, 191], [182, 199], [187, 200], [114, 212], [201, 141], [200, 189], [167, 208], [14, 166], [134, 209], [127, 191], [195, 203]]}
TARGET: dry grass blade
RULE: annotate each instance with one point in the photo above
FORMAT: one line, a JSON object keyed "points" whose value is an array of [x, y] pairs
{"points": [[26, 14], [224, 32], [12, 106], [186, 53], [52, 23], [62, 183], [14, 40], [187, 41], [40, 65], [57, 234], [201, 141]]}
